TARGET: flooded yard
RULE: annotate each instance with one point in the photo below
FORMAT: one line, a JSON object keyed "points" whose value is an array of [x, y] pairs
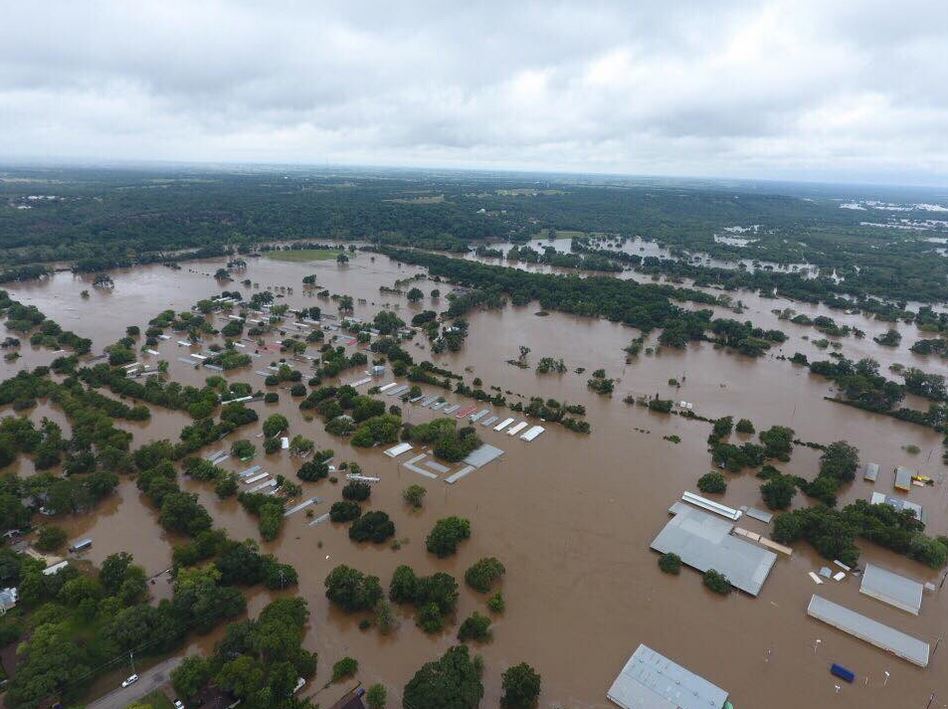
{"points": [[571, 516]]}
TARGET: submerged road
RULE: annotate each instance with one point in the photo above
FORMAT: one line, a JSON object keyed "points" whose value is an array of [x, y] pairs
{"points": [[148, 681]]}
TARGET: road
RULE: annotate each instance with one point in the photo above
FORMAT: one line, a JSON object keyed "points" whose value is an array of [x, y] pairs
{"points": [[148, 681]]}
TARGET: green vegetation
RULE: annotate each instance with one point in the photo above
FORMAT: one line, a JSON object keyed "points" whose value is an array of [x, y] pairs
{"points": [[670, 563], [243, 449], [344, 511], [861, 386], [374, 526], [475, 627], [50, 538], [453, 680], [717, 582], [302, 255], [833, 532], [257, 661], [713, 483], [79, 621], [778, 491], [744, 426], [600, 384], [152, 700], [837, 466], [376, 697], [29, 320], [482, 574], [357, 491], [434, 597], [351, 590], [414, 496], [447, 534], [114, 218], [521, 685], [268, 509], [446, 440], [345, 668]]}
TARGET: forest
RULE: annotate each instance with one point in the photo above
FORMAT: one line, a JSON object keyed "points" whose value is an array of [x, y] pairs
{"points": [[92, 219]]}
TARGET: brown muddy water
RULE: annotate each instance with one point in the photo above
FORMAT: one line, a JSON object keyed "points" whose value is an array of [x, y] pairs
{"points": [[570, 516]]}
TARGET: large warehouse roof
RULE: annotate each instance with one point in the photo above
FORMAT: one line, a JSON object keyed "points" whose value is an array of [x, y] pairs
{"points": [[704, 541], [650, 680], [872, 631]]}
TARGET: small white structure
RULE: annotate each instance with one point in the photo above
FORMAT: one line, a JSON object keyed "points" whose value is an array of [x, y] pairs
{"points": [[503, 424], [8, 598], [398, 450], [55, 568]]}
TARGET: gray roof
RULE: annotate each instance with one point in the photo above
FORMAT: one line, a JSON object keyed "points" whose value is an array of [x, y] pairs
{"points": [[482, 455], [903, 477], [650, 680], [872, 472], [898, 503], [704, 541], [889, 587], [760, 515], [872, 631]]}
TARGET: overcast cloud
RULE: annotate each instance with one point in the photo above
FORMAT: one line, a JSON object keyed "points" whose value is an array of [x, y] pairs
{"points": [[798, 89]]}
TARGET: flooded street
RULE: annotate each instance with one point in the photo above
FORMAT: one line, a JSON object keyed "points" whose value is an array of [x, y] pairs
{"points": [[570, 516]]}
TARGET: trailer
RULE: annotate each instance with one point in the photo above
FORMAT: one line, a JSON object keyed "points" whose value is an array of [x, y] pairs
{"points": [[503, 424], [81, 545]]}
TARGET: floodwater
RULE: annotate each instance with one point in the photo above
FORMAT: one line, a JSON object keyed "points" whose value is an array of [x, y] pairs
{"points": [[570, 516], [645, 248]]}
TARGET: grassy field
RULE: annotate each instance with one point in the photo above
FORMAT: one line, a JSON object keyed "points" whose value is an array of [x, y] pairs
{"points": [[155, 700], [302, 255]]}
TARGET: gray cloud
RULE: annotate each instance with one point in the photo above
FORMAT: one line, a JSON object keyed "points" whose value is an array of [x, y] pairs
{"points": [[841, 90]]}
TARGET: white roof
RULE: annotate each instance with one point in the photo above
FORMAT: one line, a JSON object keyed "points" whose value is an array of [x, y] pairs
{"points": [[650, 680], [889, 587], [396, 451], [872, 631]]}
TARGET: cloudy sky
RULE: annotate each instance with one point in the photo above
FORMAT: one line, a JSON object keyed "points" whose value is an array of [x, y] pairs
{"points": [[853, 91]]}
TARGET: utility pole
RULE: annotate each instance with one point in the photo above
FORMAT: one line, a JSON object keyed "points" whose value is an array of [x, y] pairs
{"points": [[131, 659]]}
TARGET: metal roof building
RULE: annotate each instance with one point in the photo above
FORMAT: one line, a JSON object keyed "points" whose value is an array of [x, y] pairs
{"points": [[704, 541], [889, 587], [871, 473], [872, 631], [878, 498], [650, 680], [903, 478], [482, 455], [397, 450]]}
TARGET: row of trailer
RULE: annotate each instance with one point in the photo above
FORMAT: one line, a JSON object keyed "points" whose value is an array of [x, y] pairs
{"points": [[436, 402]]}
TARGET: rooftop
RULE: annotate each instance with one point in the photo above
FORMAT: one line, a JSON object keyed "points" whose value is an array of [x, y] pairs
{"points": [[872, 631], [704, 541], [889, 587], [650, 680]]}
